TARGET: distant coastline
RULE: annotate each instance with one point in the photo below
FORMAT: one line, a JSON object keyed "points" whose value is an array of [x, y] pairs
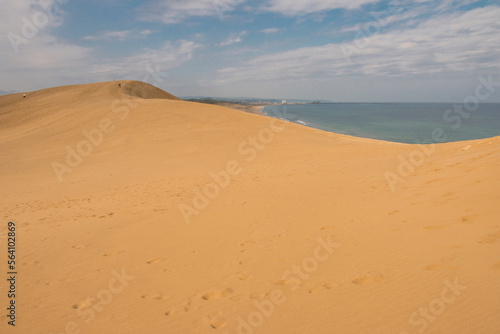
{"points": [[253, 108]]}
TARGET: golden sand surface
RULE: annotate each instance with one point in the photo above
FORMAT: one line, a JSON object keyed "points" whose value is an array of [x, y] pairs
{"points": [[137, 212]]}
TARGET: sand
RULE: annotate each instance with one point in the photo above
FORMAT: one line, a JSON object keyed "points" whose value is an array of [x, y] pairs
{"points": [[251, 108], [176, 217]]}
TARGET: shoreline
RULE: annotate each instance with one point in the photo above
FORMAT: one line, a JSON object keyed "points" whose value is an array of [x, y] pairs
{"points": [[257, 110], [435, 135]]}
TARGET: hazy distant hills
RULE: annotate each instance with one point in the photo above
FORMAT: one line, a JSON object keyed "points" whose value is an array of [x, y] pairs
{"points": [[2, 92], [250, 100]]}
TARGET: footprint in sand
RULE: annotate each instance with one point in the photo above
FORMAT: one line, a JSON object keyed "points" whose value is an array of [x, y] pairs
{"points": [[216, 321], [188, 308], [489, 238], [438, 267], [323, 288], [154, 261], [243, 275], [175, 311], [368, 279], [244, 261], [44, 282], [466, 220], [433, 267], [274, 237], [217, 294], [287, 282], [156, 296], [82, 305], [247, 243], [183, 308], [111, 254], [253, 295]]}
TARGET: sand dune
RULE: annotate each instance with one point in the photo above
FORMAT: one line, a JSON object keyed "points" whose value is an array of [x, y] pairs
{"points": [[141, 213]]}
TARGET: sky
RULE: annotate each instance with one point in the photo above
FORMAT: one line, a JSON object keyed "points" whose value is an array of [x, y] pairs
{"points": [[338, 50]]}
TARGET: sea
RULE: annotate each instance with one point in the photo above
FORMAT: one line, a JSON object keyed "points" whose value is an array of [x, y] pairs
{"points": [[409, 123]]}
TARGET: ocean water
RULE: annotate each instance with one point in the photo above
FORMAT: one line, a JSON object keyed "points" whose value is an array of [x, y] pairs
{"points": [[397, 122]]}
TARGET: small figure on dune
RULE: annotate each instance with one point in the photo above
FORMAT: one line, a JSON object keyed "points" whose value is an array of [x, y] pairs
{"points": [[120, 85], [24, 95]]}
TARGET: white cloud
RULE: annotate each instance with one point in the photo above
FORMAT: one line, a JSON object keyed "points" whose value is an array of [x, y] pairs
{"points": [[36, 58], [234, 38], [303, 7], [110, 35], [28, 49], [408, 13], [176, 11], [270, 30], [119, 35], [146, 32], [465, 42], [16, 13], [169, 56], [43, 60]]}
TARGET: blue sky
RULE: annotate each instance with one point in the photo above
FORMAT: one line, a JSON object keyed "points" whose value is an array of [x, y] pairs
{"points": [[340, 50]]}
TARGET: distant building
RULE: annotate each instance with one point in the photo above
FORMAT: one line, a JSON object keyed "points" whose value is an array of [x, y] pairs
{"points": [[283, 102]]}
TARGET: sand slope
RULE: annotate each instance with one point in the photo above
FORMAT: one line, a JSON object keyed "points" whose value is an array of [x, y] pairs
{"points": [[141, 213]]}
